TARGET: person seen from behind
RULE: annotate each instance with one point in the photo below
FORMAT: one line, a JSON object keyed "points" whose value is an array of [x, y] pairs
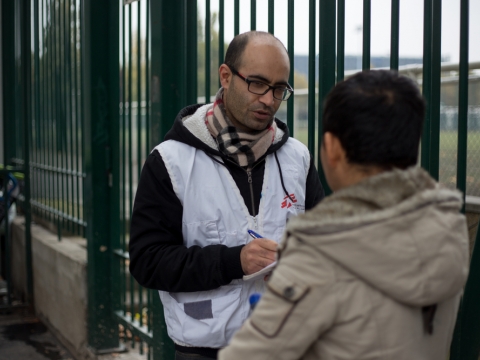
{"points": [[376, 270]]}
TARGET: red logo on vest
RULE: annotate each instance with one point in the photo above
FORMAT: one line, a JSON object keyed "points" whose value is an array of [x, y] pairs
{"points": [[287, 201]]}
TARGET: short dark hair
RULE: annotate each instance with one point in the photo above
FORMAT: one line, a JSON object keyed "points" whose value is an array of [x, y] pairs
{"points": [[233, 56], [378, 117]]}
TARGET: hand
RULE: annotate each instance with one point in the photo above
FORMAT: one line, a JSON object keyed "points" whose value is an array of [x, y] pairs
{"points": [[257, 254]]}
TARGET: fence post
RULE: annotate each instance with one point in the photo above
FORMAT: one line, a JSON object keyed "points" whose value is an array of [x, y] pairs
{"points": [[430, 146], [466, 339], [8, 78], [101, 64], [167, 65], [26, 116], [326, 69], [169, 83]]}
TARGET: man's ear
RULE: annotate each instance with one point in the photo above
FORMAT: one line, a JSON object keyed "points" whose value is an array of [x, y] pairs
{"points": [[225, 75], [334, 152]]}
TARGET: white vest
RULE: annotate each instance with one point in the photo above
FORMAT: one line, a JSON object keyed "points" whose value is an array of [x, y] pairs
{"points": [[214, 212]]}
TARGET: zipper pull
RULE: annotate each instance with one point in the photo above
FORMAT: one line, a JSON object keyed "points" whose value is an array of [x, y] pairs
{"points": [[249, 174]]}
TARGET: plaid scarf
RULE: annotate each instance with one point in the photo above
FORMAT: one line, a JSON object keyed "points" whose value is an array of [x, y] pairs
{"points": [[242, 147]]}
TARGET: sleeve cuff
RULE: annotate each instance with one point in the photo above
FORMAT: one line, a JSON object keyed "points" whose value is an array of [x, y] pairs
{"points": [[231, 264]]}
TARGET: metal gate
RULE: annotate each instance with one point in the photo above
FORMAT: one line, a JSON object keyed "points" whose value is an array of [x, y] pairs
{"points": [[95, 85]]}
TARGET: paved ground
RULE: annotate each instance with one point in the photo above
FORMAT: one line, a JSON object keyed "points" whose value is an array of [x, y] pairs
{"points": [[24, 337]]}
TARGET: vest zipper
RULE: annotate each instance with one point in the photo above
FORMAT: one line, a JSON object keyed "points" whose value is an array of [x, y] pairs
{"points": [[250, 182]]}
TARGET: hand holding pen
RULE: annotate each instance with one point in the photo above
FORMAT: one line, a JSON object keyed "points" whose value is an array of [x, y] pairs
{"points": [[257, 254]]}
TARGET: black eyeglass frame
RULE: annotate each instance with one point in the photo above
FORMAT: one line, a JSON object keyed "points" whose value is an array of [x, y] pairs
{"points": [[288, 89]]}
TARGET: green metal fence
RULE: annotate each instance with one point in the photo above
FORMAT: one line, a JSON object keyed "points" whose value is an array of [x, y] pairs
{"points": [[97, 84], [56, 162]]}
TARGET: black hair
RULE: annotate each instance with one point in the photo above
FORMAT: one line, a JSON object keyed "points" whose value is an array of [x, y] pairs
{"points": [[378, 118], [233, 56]]}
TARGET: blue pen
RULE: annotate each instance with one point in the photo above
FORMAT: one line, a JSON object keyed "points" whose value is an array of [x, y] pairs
{"points": [[254, 235]]}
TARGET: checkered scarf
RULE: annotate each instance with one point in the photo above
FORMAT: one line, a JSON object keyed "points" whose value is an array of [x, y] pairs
{"points": [[242, 147]]}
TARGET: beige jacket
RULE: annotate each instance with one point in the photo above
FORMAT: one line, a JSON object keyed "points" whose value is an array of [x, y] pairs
{"points": [[359, 273]]}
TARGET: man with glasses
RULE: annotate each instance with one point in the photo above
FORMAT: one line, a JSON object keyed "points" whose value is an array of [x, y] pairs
{"points": [[223, 169]]}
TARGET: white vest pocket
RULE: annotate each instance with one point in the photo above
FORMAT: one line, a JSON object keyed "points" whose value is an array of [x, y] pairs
{"points": [[201, 233], [208, 318]]}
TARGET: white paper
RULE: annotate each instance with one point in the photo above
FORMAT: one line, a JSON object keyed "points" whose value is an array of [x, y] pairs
{"points": [[261, 273]]}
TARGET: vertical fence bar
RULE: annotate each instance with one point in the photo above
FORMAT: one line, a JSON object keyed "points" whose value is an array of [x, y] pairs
{"points": [[192, 53], [394, 34], [426, 82], [271, 16], [8, 77], [435, 88], [71, 117], [33, 97], [49, 32], [113, 162], [466, 339], [77, 109], [58, 118], [139, 138], [63, 119], [168, 40], [463, 101], [99, 28], [68, 52], [139, 90], [253, 14], [124, 207], [130, 145], [82, 108], [36, 97], [42, 157], [147, 80], [367, 23], [326, 69], [291, 34], [27, 128], [54, 110], [236, 17], [221, 33], [340, 40], [207, 50], [64, 116], [311, 77], [8, 248]]}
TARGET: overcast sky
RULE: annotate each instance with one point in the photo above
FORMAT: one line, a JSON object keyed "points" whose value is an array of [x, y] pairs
{"points": [[411, 25]]}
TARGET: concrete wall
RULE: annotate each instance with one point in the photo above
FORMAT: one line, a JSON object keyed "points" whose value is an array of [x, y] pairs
{"points": [[60, 283]]}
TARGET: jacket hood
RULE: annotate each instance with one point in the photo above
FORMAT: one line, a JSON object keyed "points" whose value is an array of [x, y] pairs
{"points": [[189, 128], [398, 231]]}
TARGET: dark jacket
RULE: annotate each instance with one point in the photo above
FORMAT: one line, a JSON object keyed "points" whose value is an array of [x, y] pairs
{"points": [[158, 258]]}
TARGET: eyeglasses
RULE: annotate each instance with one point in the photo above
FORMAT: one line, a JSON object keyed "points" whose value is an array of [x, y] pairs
{"points": [[260, 88]]}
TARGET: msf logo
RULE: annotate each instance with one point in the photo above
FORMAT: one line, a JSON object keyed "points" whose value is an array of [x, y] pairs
{"points": [[288, 201]]}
